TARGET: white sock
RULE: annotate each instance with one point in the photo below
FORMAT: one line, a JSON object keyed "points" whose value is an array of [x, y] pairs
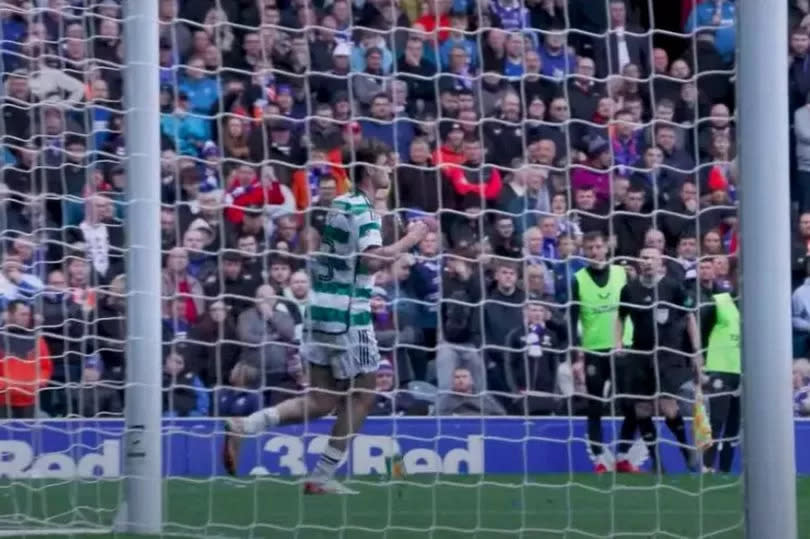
{"points": [[259, 421], [327, 462]]}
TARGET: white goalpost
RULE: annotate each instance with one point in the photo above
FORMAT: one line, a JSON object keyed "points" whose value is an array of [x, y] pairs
{"points": [[142, 510], [148, 460]]}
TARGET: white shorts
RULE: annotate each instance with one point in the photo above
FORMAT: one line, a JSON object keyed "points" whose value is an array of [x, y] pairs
{"points": [[348, 354]]}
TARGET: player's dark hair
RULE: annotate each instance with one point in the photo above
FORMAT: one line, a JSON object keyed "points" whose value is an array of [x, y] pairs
{"points": [[365, 158]]}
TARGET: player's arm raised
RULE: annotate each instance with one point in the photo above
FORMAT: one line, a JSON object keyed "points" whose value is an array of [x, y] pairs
{"points": [[376, 258]]}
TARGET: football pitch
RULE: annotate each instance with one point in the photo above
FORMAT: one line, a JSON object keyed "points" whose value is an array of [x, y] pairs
{"points": [[441, 507]]}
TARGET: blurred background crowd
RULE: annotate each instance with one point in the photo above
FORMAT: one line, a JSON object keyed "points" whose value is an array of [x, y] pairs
{"points": [[515, 127]]}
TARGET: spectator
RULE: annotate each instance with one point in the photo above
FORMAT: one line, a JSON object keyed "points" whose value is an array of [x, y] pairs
{"points": [[15, 285], [102, 237], [460, 329], [390, 401], [382, 126], [475, 185], [25, 363], [719, 15], [801, 129], [110, 327], [267, 331], [183, 392], [623, 46], [681, 214], [501, 313], [801, 387], [630, 223], [235, 283], [298, 296], [801, 317], [65, 328], [261, 110], [464, 400], [94, 397], [178, 282], [533, 360], [212, 348]]}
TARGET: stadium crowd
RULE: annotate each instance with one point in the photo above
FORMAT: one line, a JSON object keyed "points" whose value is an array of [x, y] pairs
{"points": [[515, 129]]}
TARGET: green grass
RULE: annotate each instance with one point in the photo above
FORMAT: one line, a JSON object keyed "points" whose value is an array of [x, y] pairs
{"points": [[443, 507]]}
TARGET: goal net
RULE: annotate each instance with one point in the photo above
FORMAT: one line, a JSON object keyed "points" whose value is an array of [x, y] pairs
{"points": [[533, 138]]}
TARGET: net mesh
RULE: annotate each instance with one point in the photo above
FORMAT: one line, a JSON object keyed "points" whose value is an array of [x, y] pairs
{"points": [[515, 130]]}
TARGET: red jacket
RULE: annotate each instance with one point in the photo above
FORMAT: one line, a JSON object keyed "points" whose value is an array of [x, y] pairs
{"points": [[25, 366], [489, 189], [239, 197], [444, 156]]}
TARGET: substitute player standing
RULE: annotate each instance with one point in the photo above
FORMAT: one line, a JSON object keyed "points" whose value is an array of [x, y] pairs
{"points": [[339, 341], [656, 365], [720, 328], [595, 294]]}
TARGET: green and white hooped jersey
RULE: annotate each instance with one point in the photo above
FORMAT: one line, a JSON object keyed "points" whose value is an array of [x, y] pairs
{"points": [[341, 283]]}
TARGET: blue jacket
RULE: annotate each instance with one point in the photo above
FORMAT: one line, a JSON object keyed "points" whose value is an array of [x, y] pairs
{"points": [[450, 43], [186, 130], [202, 93], [725, 34], [397, 134], [557, 66]]}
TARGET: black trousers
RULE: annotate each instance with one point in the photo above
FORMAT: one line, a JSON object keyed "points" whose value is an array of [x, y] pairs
{"points": [[724, 416], [600, 368]]}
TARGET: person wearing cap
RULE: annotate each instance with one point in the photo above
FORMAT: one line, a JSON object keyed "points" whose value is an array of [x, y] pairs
{"points": [[327, 85]]}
